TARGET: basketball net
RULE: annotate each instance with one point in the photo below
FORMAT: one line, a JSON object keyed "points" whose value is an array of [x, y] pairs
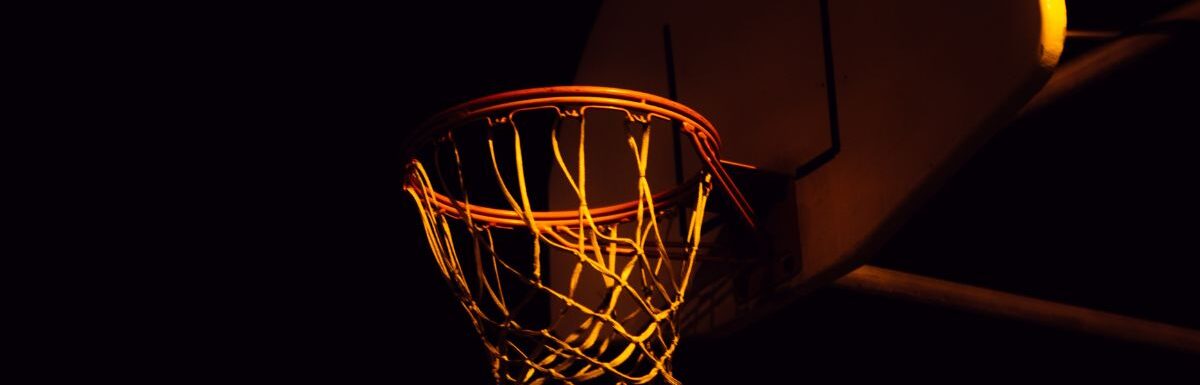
{"points": [[626, 334]]}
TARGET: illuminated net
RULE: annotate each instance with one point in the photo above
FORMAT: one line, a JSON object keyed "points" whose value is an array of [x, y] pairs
{"points": [[623, 329]]}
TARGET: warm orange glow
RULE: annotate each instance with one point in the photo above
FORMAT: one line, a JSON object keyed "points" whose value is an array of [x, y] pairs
{"points": [[1054, 31]]}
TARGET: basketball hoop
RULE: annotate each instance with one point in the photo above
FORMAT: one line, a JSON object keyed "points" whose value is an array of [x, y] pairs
{"points": [[629, 332]]}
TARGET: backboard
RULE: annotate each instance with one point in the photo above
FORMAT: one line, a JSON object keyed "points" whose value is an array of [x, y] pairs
{"points": [[845, 115]]}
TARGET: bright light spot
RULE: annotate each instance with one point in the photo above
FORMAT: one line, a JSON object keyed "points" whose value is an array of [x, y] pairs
{"points": [[1054, 31]]}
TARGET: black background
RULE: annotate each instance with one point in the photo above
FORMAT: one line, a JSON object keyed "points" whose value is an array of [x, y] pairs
{"points": [[261, 232]]}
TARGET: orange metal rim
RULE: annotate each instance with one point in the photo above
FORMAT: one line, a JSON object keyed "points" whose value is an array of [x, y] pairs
{"points": [[704, 135]]}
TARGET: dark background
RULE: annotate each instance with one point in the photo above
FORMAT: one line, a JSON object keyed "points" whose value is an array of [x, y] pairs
{"points": [[278, 244]]}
